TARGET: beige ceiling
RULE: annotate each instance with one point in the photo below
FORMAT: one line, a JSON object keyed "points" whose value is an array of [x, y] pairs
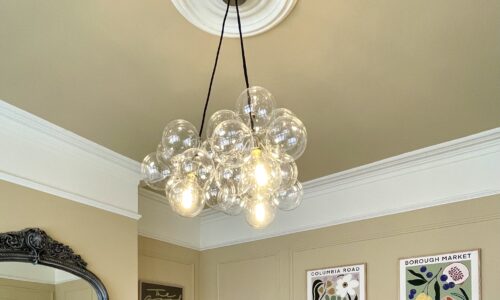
{"points": [[370, 79]]}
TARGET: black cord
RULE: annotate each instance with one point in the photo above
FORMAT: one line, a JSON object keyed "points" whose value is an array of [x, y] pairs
{"points": [[245, 70], [214, 69]]}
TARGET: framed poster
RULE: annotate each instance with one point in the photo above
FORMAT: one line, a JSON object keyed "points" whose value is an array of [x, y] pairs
{"points": [[159, 291], [337, 283], [447, 276]]}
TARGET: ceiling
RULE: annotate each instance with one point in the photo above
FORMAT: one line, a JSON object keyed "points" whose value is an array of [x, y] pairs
{"points": [[370, 79]]}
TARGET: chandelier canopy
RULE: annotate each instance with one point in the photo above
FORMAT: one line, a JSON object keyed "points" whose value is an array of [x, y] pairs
{"points": [[245, 163]]}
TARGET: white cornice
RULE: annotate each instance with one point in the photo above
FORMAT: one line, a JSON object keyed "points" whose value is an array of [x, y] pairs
{"points": [[455, 150], [161, 223], [257, 16], [40, 155], [44, 127], [458, 170]]}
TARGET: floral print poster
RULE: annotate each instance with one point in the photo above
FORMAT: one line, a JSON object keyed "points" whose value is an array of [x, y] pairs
{"points": [[448, 276], [337, 283]]}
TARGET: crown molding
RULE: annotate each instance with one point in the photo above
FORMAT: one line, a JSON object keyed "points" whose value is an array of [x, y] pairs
{"points": [[246, 238], [256, 16], [159, 222], [42, 126], [464, 148], [42, 156], [458, 170]]}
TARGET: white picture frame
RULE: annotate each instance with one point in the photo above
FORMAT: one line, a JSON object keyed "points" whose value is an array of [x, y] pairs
{"points": [[456, 275], [337, 283]]}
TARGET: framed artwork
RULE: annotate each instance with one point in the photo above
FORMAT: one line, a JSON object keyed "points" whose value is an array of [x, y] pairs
{"points": [[447, 276], [337, 283], [159, 291]]}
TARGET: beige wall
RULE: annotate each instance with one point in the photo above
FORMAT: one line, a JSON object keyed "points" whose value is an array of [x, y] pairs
{"points": [[17, 289], [275, 269], [267, 269], [107, 242], [165, 263]]}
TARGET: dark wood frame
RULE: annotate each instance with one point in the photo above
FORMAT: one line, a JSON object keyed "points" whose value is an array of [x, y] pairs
{"points": [[33, 245], [158, 283]]}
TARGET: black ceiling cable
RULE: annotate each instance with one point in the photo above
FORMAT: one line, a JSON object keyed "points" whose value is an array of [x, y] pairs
{"points": [[214, 69], [244, 59], [245, 69]]}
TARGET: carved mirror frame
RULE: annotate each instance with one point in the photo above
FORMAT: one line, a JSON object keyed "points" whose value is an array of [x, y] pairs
{"points": [[33, 245]]}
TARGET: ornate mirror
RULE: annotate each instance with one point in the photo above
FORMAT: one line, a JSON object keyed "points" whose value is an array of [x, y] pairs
{"points": [[35, 266]]}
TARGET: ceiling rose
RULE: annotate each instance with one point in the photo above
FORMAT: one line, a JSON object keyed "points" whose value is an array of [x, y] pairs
{"points": [[257, 16]]}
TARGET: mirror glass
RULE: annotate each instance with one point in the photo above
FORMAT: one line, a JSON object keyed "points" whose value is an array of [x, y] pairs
{"points": [[25, 281]]}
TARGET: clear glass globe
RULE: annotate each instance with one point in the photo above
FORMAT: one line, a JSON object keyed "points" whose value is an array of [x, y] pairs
{"points": [[208, 148], [229, 203], [290, 198], [254, 195], [286, 138], [174, 164], [232, 142], [231, 179], [257, 103], [196, 161], [219, 117], [259, 214], [161, 155], [211, 193], [186, 197], [178, 136], [154, 173], [289, 174], [261, 172], [281, 112]]}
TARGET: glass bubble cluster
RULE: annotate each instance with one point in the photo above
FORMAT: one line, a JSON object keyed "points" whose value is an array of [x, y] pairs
{"points": [[246, 164]]}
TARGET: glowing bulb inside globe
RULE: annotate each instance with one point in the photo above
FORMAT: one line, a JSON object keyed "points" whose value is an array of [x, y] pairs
{"points": [[261, 175], [260, 213], [187, 198], [261, 172]]}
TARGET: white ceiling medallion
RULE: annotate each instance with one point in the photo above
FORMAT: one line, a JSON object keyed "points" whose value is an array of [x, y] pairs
{"points": [[257, 16]]}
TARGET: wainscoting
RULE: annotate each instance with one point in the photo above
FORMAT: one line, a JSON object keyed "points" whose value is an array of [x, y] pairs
{"points": [[276, 268]]}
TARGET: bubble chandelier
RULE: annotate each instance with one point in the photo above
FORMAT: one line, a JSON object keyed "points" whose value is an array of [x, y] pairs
{"points": [[245, 164]]}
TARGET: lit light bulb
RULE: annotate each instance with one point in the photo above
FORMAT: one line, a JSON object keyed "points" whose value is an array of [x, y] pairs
{"points": [[260, 213], [261, 172], [261, 175], [186, 197]]}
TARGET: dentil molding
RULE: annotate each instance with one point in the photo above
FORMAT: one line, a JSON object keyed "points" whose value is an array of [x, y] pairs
{"points": [[257, 16]]}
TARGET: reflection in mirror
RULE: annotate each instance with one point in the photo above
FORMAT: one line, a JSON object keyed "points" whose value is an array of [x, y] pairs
{"points": [[19, 281]]}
